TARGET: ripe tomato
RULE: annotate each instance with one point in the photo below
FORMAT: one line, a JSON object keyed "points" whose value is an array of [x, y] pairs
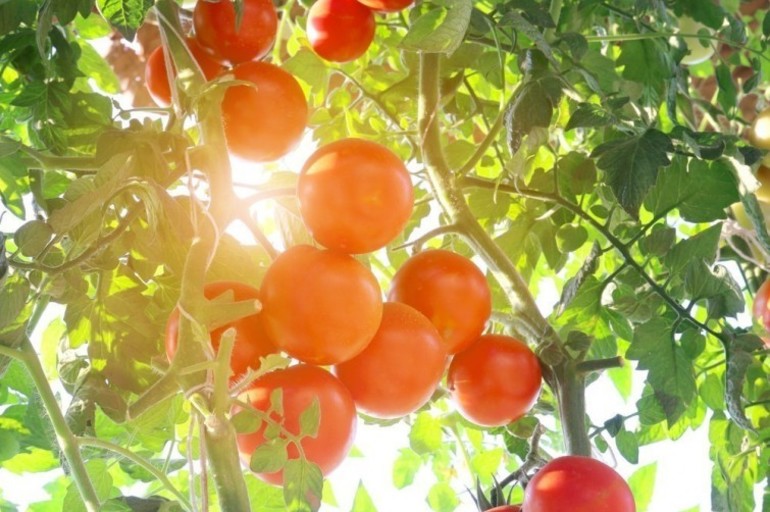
{"points": [[355, 196], [156, 78], [495, 381], [266, 122], [399, 370], [387, 5], [321, 307], [340, 30], [215, 29], [301, 385], [450, 290], [506, 508], [251, 341], [578, 484], [759, 135]]}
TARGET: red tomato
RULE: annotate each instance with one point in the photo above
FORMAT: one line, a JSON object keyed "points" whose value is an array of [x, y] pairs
{"points": [[266, 122], [301, 385], [251, 341], [399, 370], [340, 30], [215, 29], [321, 307], [355, 196], [156, 77], [495, 381], [450, 290], [578, 484], [506, 508], [387, 5]]}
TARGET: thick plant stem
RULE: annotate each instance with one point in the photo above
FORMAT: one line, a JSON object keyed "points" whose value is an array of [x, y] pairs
{"points": [[67, 441], [528, 321]]}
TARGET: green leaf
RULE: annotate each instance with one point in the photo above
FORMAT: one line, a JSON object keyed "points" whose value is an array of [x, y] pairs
{"points": [[486, 463], [15, 12], [302, 486], [9, 445], [307, 66], [405, 468], [702, 246], [739, 358], [32, 237], [631, 164], [101, 480], [671, 372], [13, 184], [310, 419], [532, 108], [628, 446], [440, 30], [125, 15], [362, 502], [766, 24], [95, 67], [246, 422], [270, 456], [642, 484], [426, 435], [589, 115], [442, 498], [647, 62], [717, 285]]}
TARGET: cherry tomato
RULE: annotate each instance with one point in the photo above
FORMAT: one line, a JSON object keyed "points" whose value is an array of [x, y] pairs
{"points": [[251, 341], [266, 122], [399, 370], [156, 78], [355, 196], [759, 135], [340, 30], [495, 381], [387, 5], [321, 307], [300, 386], [216, 31], [450, 290], [578, 484]]}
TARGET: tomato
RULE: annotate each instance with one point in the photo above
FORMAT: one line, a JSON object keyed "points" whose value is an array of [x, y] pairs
{"points": [[495, 381], [387, 5], [216, 31], [578, 484], [506, 508], [450, 290], [340, 30], [759, 135], [321, 307], [696, 53], [266, 122], [156, 77], [399, 370], [355, 196], [302, 385], [251, 341]]}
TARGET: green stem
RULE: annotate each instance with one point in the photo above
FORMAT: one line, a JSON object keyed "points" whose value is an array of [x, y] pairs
{"points": [[140, 461], [597, 365], [529, 322], [67, 441]]}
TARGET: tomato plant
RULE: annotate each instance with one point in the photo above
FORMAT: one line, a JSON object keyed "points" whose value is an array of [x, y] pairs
{"points": [[450, 290], [232, 39], [340, 30], [578, 484], [355, 196], [281, 105], [300, 387], [399, 370], [494, 381], [251, 342], [156, 76], [320, 306]]}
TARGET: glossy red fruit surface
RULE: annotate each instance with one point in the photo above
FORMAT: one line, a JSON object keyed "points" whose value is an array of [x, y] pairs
{"points": [[216, 30], [340, 30], [156, 77]]}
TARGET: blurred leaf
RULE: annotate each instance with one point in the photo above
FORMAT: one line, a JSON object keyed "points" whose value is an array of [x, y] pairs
{"points": [[125, 15], [442, 498], [405, 468], [440, 30], [270, 456], [425, 435], [642, 484], [362, 502], [303, 486]]}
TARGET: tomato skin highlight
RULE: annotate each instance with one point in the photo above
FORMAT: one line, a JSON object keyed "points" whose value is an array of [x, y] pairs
{"points": [[215, 29], [265, 123], [355, 196], [156, 77], [578, 484], [399, 370], [251, 341], [319, 306], [495, 381], [340, 30], [387, 5], [450, 290], [301, 385]]}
